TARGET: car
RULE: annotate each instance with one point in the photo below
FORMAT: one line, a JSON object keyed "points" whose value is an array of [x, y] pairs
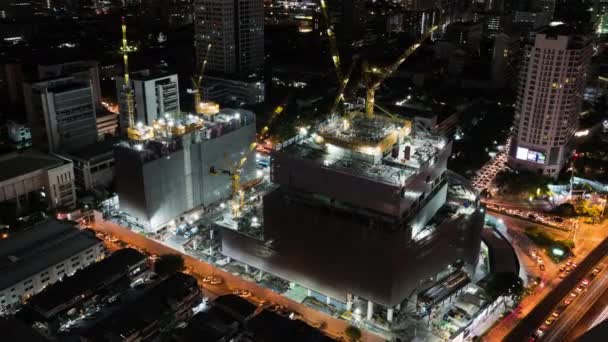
{"points": [[579, 289], [574, 265], [568, 301], [549, 321], [562, 268], [533, 253], [596, 271], [212, 280], [562, 276], [242, 293], [555, 314], [569, 263], [585, 282], [295, 315]]}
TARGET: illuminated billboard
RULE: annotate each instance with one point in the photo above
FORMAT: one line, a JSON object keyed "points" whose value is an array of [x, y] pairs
{"points": [[530, 155]]}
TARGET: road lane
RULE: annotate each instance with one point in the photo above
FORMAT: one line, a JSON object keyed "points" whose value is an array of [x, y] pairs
{"points": [[575, 311]]}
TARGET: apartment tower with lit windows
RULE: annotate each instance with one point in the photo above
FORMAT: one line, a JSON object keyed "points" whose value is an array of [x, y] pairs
{"points": [[549, 100]]}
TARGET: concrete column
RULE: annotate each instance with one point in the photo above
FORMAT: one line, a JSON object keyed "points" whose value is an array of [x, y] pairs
{"points": [[328, 300], [349, 302], [309, 292], [370, 310], [398, 307], [211, 234], [228, 259], [260, 275], [246, 268], [389, 315]]}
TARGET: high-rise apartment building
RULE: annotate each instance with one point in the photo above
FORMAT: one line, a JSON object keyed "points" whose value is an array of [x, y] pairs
{"points": [[85, 71], [600, 10], [156, 94], [550, 95], [235, 30], [61, 113]]}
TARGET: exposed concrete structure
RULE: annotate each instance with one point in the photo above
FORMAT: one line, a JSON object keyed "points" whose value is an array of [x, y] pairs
{"points": [[356, 215], [159, 179]]}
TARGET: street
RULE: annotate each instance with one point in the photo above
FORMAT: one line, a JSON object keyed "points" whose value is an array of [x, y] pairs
{"points": [[588, 237], [575, 311], [334, 326]]}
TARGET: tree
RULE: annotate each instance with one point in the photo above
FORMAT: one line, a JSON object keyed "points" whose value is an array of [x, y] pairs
{"points": [[523, 182], [168, 264], [504, 283], [353, 333], [587, 208], [565, 209]]}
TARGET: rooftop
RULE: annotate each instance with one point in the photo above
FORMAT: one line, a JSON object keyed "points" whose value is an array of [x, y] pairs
{"points": [[17, 164], [212, 325], [166, 133], [272, 327], [87, 279], [15, 330], [152, 306], [147, 75], [94, 150], [406, 156], [38, 247], [359, 131]]}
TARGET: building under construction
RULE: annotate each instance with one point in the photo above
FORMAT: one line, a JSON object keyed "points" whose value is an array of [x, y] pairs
{"points": [[170, 170], [357, 215]]}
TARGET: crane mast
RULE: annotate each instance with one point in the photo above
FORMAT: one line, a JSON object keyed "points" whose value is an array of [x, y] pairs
{"points": [[125, 49], [196, 83]]}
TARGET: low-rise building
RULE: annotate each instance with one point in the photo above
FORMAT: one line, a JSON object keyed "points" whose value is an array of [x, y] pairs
{"points": [[33, 176], [160, 306], [107, 124], [101, 279], [94, 165], [41, 255], [19, 135]]}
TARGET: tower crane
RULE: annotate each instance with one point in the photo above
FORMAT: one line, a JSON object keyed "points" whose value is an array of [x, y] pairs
{"points": [[234, 171], [125, 50], [335, 57], [196, 83], [373, 76]]}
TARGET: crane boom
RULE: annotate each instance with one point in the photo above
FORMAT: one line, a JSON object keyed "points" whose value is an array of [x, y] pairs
{"points": [[196, 83], [374, 76], [335, 55]]}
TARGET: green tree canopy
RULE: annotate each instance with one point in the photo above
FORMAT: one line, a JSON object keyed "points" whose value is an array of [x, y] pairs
{"points": [[353, 333], [168, 264], [504, 283]]}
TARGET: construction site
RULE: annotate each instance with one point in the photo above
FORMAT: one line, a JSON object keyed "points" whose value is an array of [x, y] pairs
{"points": [[352, 212]]}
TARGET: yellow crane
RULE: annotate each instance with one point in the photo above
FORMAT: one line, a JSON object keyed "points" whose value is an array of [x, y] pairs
{"points": [[196, 84], [335, 56], [234, 171], [373, 76], [125, 50]]}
